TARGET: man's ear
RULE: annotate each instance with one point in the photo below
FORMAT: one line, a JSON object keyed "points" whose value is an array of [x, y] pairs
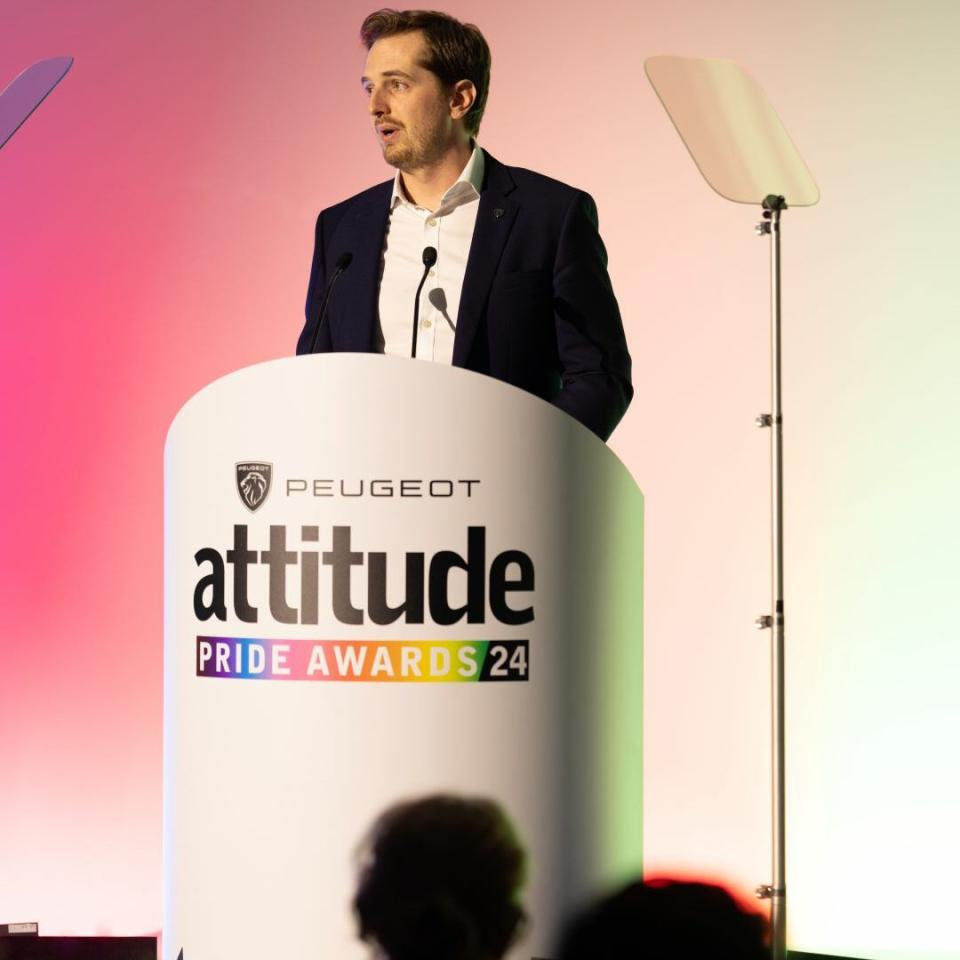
{"points": [[462, 98]]}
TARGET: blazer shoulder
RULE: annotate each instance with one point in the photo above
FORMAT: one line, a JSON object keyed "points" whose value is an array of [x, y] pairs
{"points": [[542, 184], [531, 184], [552, 201], [379, 194]]}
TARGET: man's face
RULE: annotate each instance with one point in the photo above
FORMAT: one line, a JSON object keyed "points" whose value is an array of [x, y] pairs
{"points": [[408, 104]]}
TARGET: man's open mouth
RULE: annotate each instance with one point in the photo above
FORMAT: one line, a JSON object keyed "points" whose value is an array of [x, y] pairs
{"points": [[388, 133]]}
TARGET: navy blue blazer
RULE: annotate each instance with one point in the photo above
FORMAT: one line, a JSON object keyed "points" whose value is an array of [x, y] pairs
{"points": [[537, 309]]}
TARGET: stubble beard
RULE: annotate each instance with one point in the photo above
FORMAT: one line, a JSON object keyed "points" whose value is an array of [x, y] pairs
{"points": [[416, 152]]}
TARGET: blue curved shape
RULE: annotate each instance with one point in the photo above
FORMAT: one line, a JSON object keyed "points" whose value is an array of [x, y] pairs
{"points": [[27, 91]]}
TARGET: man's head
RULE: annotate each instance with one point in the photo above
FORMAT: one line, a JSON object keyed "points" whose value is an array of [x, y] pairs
{"points": [[664, 918], [441, 880], [426, 78]]}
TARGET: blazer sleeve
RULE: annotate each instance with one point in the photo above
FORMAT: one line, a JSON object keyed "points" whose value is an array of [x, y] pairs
{"points": [[318, 283], [591, 346]]}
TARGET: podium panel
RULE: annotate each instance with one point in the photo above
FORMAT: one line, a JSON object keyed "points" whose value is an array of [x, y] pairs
{"points": [[385, 579]]}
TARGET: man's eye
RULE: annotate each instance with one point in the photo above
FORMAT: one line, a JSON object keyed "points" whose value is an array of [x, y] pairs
{"points": [[398, 84]]}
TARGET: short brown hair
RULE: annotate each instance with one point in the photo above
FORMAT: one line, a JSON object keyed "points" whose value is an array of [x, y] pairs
{"points": [[456, 51]]}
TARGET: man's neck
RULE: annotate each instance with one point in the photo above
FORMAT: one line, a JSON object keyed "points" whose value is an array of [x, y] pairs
{"points": [[425, 186]]}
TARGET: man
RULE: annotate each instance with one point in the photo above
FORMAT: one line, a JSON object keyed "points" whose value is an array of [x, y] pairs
{"points": [[519, 290]]}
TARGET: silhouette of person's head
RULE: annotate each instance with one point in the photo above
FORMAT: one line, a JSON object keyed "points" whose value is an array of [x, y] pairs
{"points": [[666, 920], [441, 881]]}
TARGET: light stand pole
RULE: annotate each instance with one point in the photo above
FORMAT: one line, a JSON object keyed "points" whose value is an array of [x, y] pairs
{"points": [[776, 892]]}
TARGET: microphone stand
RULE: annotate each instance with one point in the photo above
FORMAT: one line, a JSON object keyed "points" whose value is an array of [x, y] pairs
{"points": [[429, 259], [343, 261]]}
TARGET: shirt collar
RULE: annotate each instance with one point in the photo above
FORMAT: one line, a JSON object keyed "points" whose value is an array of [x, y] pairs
{"points": [[464, 189]]}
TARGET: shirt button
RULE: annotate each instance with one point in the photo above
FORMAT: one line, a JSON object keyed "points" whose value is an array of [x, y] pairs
{"points": [[433, 273], [426, 324], [432, 222]]}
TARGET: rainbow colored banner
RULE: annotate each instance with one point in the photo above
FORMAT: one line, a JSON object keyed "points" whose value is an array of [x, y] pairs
{"points": [[368, 661]]}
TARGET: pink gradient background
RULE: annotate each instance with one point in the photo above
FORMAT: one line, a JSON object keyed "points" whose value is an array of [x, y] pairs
{"points": [[156, 230]]}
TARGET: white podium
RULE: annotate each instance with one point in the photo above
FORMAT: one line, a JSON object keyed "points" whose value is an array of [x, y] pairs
{"points": [[383, 579]]}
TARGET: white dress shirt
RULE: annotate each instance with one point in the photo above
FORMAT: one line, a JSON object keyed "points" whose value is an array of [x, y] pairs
{"points": [[410, 228]]}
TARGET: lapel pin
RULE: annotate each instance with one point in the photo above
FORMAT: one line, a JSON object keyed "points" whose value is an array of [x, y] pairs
{"points": [[498, 213]]}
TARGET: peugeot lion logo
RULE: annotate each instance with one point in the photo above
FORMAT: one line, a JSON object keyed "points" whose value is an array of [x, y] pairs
{"points": [[253, 483]]}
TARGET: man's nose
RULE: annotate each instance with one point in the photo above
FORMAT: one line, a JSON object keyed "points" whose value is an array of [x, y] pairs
{"points": [[377, 105]]}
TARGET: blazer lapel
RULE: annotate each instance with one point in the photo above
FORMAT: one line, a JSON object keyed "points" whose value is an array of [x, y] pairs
{"points": [[363, 237], [495, 218]]}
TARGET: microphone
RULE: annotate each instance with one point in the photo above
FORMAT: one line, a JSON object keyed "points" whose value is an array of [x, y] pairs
{"points": [[429, 259], [343, 261]]}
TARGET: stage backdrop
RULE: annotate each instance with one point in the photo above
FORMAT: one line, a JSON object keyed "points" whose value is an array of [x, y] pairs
{"points": [[157, 216]]}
